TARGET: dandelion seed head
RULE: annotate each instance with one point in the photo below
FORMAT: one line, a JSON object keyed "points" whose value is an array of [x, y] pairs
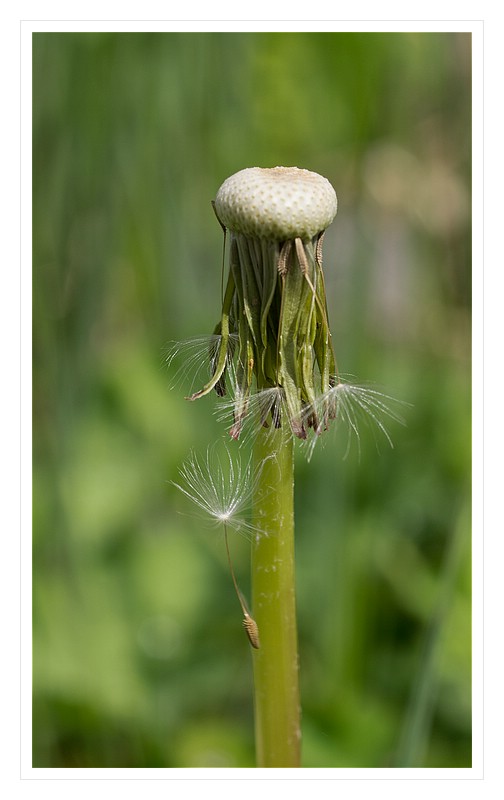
{"points": [[276, 203]]}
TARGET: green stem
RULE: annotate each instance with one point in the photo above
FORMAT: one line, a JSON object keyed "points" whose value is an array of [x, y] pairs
{"points": [[276, 692]]}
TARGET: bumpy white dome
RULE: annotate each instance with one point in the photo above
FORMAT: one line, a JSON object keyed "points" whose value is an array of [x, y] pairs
{"points": [[279, 203]]}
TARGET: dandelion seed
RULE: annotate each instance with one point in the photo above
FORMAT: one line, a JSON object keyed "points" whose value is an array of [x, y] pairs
{"points": [[251, 630], [223, 493], [250, 625], [344, 405], [197, 357], [264, 409], [350, 404]]}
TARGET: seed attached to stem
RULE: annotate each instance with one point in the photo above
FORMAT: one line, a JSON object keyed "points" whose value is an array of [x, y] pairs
{"points": [[249, 623], [251, 630], [222, 491]]}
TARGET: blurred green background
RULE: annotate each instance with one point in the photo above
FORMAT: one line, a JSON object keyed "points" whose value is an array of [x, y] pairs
{"points": [[139, 657]]}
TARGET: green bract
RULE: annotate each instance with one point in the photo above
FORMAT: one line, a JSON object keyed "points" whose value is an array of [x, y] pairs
{"points": [[273, 324]]}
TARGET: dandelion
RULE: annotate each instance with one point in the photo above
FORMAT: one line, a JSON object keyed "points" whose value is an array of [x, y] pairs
{"points": [[275, 304], [272, 364], [273, 342]]}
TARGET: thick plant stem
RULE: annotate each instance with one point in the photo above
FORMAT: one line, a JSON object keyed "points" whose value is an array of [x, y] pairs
{"points": [[276, 690]]}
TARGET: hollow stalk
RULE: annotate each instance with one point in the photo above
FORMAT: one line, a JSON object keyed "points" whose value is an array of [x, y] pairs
{"points": [[276, 690]]}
